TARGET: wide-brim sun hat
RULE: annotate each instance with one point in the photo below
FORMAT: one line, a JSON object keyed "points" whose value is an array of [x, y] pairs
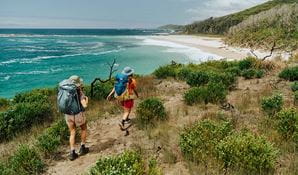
{"points": [[128, 71], [76, 80]]}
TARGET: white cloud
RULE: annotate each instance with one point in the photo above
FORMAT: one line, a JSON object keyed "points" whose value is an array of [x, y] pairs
{"points": [[215, 8]]}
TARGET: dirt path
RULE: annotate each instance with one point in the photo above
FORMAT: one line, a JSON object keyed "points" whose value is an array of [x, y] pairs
{"points": [[106, 139]]}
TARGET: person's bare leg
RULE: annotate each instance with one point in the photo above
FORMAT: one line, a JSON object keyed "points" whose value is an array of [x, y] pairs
{"points": [[72, 131], [83, 149], [126, 113], [83, 133]]}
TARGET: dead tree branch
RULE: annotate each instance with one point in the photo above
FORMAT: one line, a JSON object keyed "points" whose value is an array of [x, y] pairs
{"points": [[112, 70], [271, 51], [267, 56]]}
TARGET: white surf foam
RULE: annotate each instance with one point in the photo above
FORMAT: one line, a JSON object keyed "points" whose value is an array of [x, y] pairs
{"points": [[191, 52], [32, 72], [7, 77]]}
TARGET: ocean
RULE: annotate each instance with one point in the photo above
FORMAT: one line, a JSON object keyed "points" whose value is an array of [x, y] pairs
{"points": [[38, 58]]}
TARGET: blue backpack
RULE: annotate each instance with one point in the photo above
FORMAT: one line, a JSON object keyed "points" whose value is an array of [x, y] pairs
{"points": [[120, 84]]}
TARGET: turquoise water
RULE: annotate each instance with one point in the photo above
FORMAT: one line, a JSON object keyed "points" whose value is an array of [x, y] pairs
{"points": [[42, 58]]}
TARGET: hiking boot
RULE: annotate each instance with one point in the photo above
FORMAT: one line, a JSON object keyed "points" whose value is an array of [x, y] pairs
{"points": [[127, 121], [73, 155], [83, 150], [126, 133]]}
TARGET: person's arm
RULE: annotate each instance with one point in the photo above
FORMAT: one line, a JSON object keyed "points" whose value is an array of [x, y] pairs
{"points": [[111, 93]]}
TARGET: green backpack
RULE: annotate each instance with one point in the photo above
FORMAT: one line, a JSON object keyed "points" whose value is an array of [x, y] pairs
{"points": [[68, 98]]}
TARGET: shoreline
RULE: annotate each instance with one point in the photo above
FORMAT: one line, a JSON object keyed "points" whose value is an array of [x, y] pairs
{"points": [[215, 45]]}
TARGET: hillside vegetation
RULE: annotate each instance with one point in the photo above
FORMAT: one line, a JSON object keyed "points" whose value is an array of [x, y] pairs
{"points": [[278, 25], [221, 25], [217, 117]]}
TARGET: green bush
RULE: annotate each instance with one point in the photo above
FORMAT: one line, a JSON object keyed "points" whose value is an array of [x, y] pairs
{"points": [[48, 143], [127, 163], [153, 168], [234, 70], [260, 73], [31, 97], [197, 79], [4, 102], [287, 122], [5, 170], [26, 161], [165, 71], [249, 73], [195, 95], [50, 140], [60, 129], [290, 73], [272, 105], [296, 98], [211, 93], [247, 152], [294, 86], [100, 90], [184, 73], [149, 111], [22, 116], [228, 79], [216, 92], [198, 141], [246, 63]]}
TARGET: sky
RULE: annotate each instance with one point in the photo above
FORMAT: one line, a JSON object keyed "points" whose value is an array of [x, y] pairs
{"points": [[113, 13]]}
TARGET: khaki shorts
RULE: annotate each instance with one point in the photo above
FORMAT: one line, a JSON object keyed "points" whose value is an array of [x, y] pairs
{"points": [[78, 119]]}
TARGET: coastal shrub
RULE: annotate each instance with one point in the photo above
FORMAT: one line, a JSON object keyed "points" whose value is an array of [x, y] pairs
{"points": [[234, 70], [60, 129], [48, 143], [228, 79], [26, 161], [100, 90], [22, 116], [4, 102], [195, 95], [296, 97], [211, 93], [31, 97], [294, 86], [50, 140], [153, 168], [246, 63], [5, 169], [273, 104], [149, 111], [247, 152], [249, 73], [197, 79], [165, 71], [290, 73], [127, 163], [287, 122], [216, 92], [198, 141], [260, 73], [184, 73]]}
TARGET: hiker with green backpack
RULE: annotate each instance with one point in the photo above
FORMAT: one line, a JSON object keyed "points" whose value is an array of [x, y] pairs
{"points": [[72, 102], [125, 91]]}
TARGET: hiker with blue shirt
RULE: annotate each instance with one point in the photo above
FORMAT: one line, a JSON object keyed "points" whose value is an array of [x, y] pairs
{"points": [[72, 102], [125, 91]]}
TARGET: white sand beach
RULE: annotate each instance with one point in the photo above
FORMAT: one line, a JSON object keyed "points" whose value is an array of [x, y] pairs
{"points": [[213, 45]]}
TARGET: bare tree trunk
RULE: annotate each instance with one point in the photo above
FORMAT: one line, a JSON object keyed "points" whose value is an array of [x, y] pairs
{"points": [[112, 70]]}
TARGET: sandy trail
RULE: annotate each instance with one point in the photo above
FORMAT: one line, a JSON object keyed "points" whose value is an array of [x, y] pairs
{"points": [[106, 139]]}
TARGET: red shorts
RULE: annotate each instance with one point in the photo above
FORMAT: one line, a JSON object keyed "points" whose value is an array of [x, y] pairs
{"points": [[128, 104]]}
